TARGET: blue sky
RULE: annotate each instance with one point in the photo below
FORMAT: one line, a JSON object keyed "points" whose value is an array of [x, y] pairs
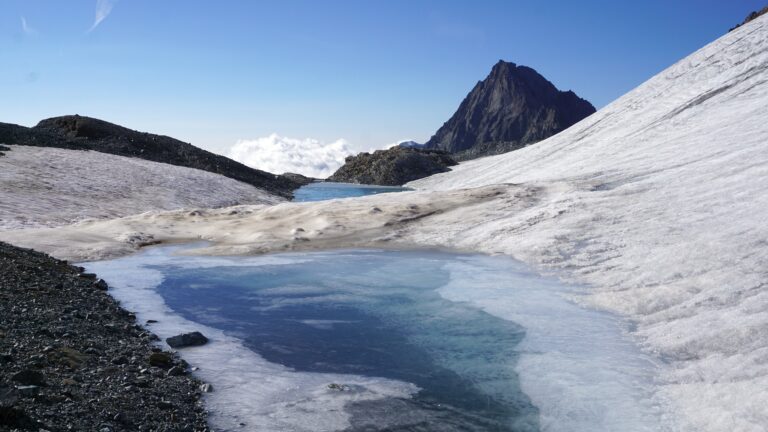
{"points": [[371, 72]]}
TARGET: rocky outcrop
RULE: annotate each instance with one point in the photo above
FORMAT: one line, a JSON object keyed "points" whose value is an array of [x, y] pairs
{"points": [[187, 340], [299, 179], [72, 359], [513, 107], [86, 133], [392, 167], [752, 16], [411, 144]]}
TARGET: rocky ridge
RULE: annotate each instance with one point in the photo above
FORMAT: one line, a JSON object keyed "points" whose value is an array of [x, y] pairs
{"points": [[511, 108], [72, 359], [76, 132], [392, 167], [751, 17]]}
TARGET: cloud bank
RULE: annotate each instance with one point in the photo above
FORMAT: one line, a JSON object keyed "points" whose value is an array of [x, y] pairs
{"points": [[278, 154], [103, 9]]}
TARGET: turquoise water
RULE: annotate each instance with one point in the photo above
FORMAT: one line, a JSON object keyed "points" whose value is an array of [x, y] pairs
{"points": [[370, 313], [369, 340], [327, 190]]}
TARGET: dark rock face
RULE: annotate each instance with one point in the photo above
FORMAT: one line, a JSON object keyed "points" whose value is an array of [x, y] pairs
{"points": [[72, 359], [392, 167], [187, 339], [299, 179], [752, 16], [513, 107], [85, 133]]}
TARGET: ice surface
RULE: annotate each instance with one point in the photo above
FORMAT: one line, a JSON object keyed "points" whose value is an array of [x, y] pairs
{"points": [[578, 366], [41, 186]]}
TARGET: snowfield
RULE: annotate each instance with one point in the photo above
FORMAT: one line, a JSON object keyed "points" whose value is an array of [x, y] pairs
{"points": [[43, 186], [658, 202]]}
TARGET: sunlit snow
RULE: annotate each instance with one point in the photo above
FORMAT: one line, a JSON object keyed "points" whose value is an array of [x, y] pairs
{"points": [[43, 186]]}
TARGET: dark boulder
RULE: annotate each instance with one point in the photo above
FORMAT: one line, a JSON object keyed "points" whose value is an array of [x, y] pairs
{"points": [[161, 360], [29, 377], [187, 340]]}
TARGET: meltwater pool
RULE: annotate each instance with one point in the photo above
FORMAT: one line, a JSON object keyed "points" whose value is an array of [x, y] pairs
{"points": [[372, 340]]}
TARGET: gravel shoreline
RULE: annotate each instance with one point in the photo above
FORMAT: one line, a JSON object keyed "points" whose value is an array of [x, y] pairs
{"points": [[71, 359]]}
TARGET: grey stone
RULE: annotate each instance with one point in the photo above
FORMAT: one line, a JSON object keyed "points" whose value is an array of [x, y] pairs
{"points": [[29, 377], [161, 359], [186, 340]]}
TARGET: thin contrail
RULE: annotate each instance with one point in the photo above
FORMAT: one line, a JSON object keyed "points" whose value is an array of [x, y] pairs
{"points": [[103, 8], [26, 28]]}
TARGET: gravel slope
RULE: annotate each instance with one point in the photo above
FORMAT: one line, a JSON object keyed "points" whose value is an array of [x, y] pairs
{"points": [[72, 359]]}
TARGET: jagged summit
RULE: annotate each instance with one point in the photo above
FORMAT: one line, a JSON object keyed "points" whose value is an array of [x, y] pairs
{"points": [[512, 107]]}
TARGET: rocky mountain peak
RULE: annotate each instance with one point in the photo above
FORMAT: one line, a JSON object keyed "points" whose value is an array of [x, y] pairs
{"points": [[512, 107]]}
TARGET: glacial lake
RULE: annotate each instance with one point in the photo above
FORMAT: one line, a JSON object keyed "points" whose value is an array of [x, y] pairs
{"points": [[373, 340], [321, 191]]}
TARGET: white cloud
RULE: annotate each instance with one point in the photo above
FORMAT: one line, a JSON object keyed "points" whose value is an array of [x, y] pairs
{"points": [[103, 8], [278, 154], [25, 27]]}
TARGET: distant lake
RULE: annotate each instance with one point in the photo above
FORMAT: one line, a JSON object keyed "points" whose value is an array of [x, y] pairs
{"points": [[321, 191]]}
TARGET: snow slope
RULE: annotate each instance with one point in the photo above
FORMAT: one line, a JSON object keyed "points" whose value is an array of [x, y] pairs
{"points": [[658, 202], [48, 187], [663, 208]]}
